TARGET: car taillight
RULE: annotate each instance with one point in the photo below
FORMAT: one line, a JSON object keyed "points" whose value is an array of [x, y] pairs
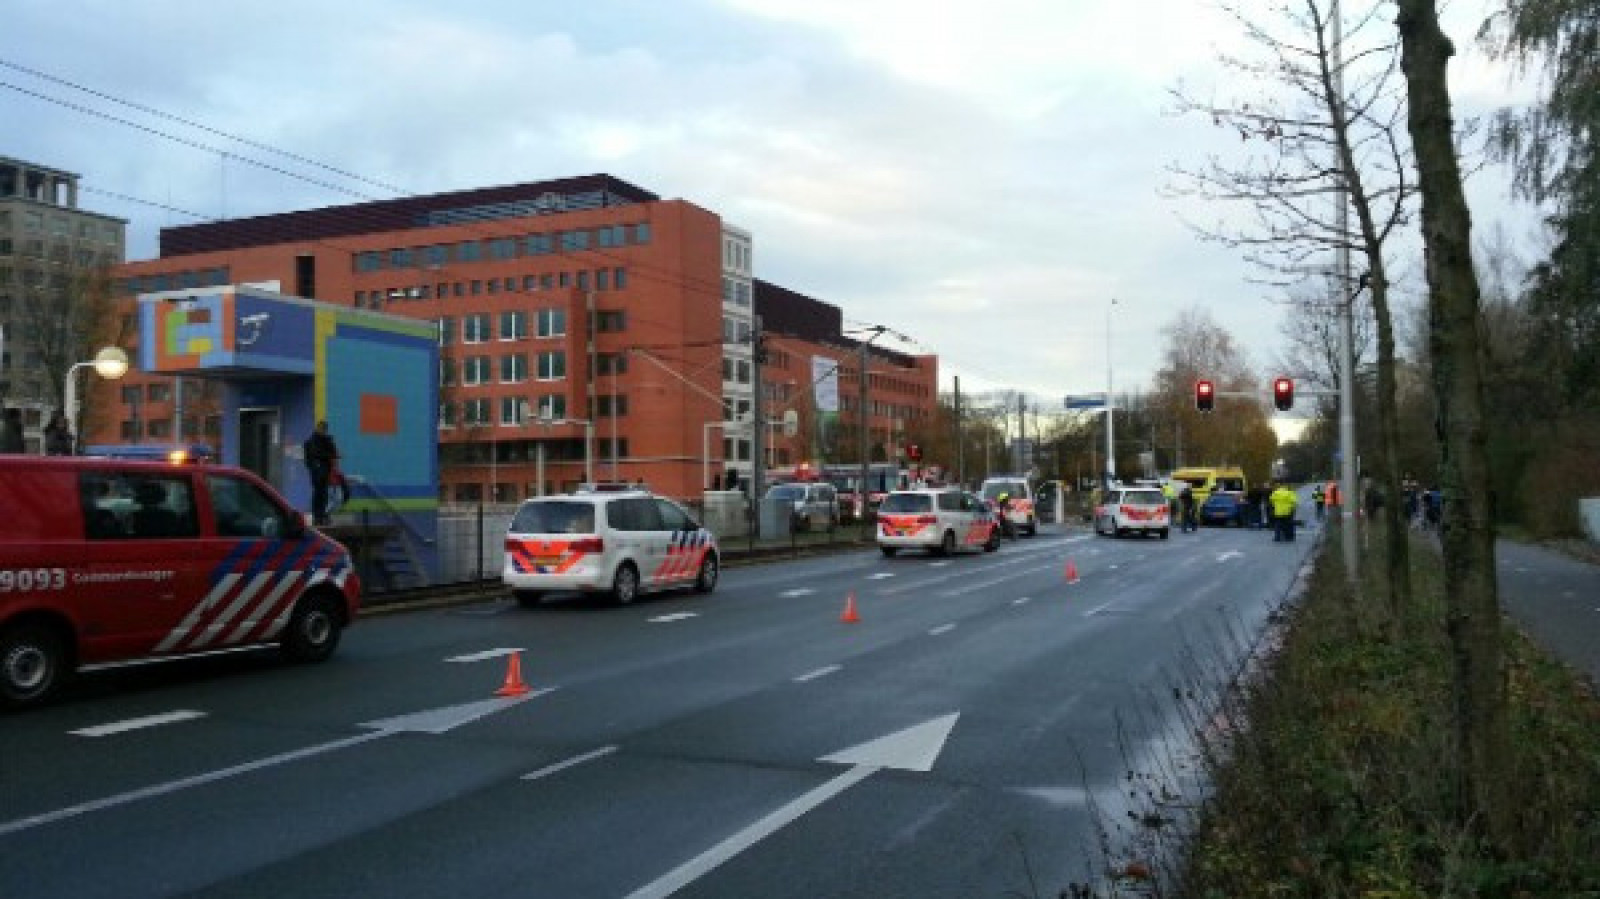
{"points": [[1129, 511], [588, 545]]}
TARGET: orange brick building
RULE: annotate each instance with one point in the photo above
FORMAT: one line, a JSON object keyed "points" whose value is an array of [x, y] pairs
{"points": [[560, 302]]}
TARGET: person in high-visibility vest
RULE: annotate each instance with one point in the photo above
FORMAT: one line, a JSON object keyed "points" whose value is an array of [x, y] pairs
{"points": [[1283, 502], [1318, 497]]}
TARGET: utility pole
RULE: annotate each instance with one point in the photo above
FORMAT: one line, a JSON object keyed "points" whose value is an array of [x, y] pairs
{"points": [[1347, 416], [594, 406], [861, 417], [961, 443], [758, 427]]}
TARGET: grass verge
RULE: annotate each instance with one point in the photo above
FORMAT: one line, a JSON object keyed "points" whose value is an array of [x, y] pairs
{"points": [[1328, 774]]}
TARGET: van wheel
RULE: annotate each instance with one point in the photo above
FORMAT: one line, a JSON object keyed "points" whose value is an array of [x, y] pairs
{"points": [[625, 586], [313, 632], [1033, 527], [527, 598], [889, 550], [947, 546], [706, 581], [32, 663]]}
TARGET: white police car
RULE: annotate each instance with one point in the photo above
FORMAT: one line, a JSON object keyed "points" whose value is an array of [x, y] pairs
{"points": [[939, 520], [621, 543]]}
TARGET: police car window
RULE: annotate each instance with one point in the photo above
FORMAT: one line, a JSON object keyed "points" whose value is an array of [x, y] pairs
{"points": [[906, 502], [1146, 497], [554, 517], [240, 509], [950, 502], [672, 517], [635, 513]]}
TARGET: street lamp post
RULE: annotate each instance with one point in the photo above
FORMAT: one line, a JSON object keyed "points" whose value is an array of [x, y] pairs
{"points": [[110, 363], [1111, 407], [588, 445]]}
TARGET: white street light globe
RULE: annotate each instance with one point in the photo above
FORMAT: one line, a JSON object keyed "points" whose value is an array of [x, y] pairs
{"points": [[111, 363]]}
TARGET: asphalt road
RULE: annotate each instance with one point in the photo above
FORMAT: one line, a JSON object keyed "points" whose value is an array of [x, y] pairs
{"points": [[1556, 599], [952, 742]]}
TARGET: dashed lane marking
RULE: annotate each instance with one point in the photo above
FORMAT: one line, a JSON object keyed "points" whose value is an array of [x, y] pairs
{"points": [[675, 616], [121, 727], [486, 655], [941, 630], [602, 752], [820, 672]]}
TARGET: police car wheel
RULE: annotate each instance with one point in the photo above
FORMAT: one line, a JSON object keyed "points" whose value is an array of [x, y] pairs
{"points": [[31, 663], [706, 581], [313, 632], [625, 586], [947, 546], [527, 598], [889, 550]]}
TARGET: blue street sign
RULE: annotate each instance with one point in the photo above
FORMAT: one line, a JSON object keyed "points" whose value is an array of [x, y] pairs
{"points": [[1085, 401]]}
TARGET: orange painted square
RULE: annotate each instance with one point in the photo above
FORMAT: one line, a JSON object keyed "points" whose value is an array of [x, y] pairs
{"points": [[380, 414]]}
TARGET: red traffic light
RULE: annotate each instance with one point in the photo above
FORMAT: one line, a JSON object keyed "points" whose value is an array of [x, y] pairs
{"points": [[1283, 394], [1205, 396], [913, 452]]}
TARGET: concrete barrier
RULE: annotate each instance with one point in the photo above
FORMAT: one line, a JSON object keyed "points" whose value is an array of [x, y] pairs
{"points": [[1589, 517]]}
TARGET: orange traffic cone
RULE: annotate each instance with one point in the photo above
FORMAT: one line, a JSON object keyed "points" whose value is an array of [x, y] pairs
{"points": [[850, 616], [1072, 572], [513, 685]]}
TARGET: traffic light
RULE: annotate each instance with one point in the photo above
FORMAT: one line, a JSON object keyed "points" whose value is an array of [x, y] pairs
{"points": [[1205, 396], [913, 452], [1283, 393]]}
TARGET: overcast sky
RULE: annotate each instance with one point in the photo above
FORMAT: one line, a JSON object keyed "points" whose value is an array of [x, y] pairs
{"points": [[982, 177]]}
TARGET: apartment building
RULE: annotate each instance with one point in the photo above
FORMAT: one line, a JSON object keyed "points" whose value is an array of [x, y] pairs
{"points": [[53, 259]]}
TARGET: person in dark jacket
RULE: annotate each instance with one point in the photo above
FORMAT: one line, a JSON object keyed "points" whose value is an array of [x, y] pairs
{"points": [[321, 455], [11, 440], [57, 437]]}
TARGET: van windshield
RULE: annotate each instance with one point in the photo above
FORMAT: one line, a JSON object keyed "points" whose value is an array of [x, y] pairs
{"points": [[993, 489], [791, 492], [554, 517], [1232, 485]]}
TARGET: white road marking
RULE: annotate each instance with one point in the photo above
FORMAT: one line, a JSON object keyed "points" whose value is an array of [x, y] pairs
{"points": [[792, 594], [939, 564], [1023, 601], [486, 654], [1100, 608], [913, 749], [879, 575], [820, 672], [118, 727], [675, 616], [434, 721], [576, 760], [941, 630], [1230, 554]]}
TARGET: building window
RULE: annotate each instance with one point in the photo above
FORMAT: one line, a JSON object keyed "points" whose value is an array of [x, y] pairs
{"points": [[369, 261], [469, 251], [511, 410], [619, 278], [552, 322], [157, 393], [513, 368], [503, 248], [552, 405], [530, 283], [564, 279], [641, 233], [610, 321], [447, 372], [476, 288], [400, 258], [743, 372], [547, 281], [513, 324], [574, 240], [130, 395], [494, 285], [475, 412], [475, 370], [475, 328], [611, 364], [602, 279], [537, 245], [583, 280], [608, 405], [160, 428], [552, 366], [436, 255], [447, 415], [447, 330]]}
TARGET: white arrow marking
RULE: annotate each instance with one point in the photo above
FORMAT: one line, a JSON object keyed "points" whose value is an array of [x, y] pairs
{"points": [[913, 749], [1230, 554], [434, 722], [487, 654], [675, 616], [106, 730], [792, 594]]}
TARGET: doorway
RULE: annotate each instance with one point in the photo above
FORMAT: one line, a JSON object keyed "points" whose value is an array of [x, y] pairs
{"points": [[260, 443]]}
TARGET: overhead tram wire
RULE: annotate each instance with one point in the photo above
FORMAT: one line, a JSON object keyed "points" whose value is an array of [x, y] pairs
{"points": [[639, 269]]}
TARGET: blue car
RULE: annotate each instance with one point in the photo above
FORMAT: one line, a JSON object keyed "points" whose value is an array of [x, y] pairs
{"points": [[1226, 509]]}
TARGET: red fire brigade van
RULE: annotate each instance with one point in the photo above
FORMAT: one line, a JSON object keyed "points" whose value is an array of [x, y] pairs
{"points": [[107, 561]]}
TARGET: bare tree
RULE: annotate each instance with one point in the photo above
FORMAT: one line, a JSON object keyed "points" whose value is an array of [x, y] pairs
{"points": [[1336, 138], [1197, 347], [1482, 731]]}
